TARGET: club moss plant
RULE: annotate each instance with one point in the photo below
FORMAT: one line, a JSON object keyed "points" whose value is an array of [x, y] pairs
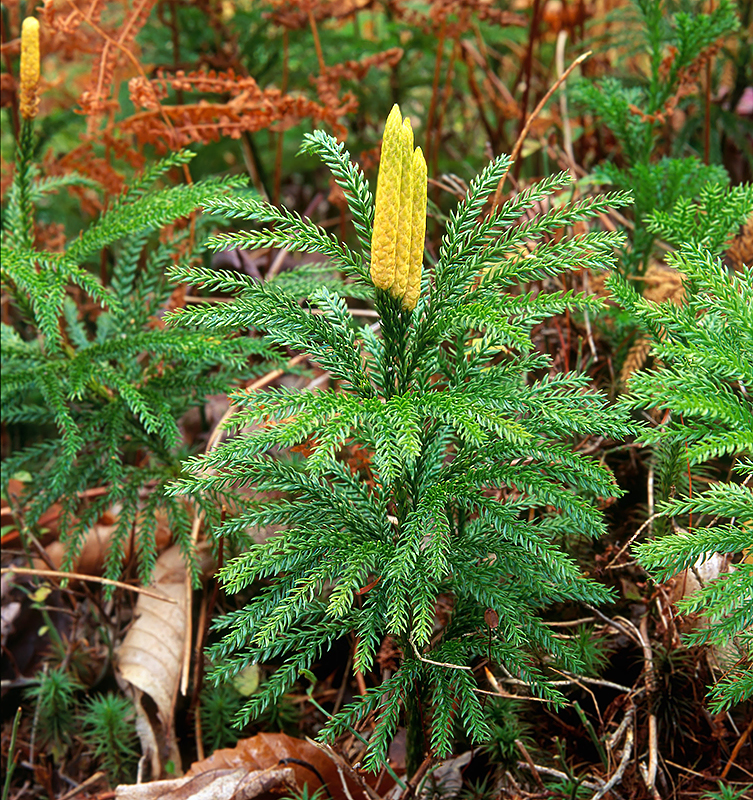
{"points": [[442, 545]]}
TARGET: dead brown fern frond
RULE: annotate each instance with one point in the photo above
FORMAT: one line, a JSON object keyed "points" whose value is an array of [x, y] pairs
{"points": [[249, 109], [100, 99], [295, 14], [328, 84]]}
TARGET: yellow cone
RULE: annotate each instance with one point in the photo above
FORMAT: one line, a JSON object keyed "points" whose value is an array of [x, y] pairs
{"points": [[418, 229], [29, 99], [397, 244], [387, 210], [402, 246]]}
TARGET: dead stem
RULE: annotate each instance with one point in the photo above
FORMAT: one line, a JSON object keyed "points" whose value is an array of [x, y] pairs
{"points": [[77, 576], [524, 132], [317, 43]]}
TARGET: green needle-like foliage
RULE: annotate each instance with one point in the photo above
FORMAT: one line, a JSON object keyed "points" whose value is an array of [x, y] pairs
{"points": [[472, 475], [706, 350], [109, 732], [636, 114], [95, 397]]}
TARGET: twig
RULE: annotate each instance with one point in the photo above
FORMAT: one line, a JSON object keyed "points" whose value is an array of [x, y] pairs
{"points": [[317, 43], [526, 72], [616, 625], [435, 90], [649, 773], [277, 264], [617, 735], [587, 319], [77, 576], [343, 766], [620, 771], [80, 788], [740, 742], [277, 180], [436, 663], [574, 680], [502, 693], [555, 773], [527, 756], [417, 777], [627, 544], [524, 132]]}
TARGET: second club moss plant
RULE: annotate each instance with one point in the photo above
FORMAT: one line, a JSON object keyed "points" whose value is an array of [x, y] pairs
{"points": [[93, 390], [443, 544]]}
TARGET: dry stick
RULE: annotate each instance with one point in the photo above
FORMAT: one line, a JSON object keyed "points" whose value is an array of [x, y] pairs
{"points": [[95, 491], [573, 681], [527, 756], [317, 43], [197, 705], [740, 742], [437, 663], [621, 767], [80, 788], [707, 107], [214, 440], [77, 576], [360, 680], [502, 693], [279, 260], [616, 625], [568, 147], [476, 92], [626, 721], [556, 773], [342, 767], [417, 777], [627, 544], [566, 131], [649, 773], [539, 108]]}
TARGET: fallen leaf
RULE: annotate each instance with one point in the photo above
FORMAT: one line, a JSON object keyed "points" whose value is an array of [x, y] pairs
{"points": [[310, 765], [223, 784], [96, 543], [148, 662]]}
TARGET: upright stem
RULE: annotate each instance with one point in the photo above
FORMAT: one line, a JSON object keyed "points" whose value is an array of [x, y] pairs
{"points": [[414, 732], [317, 43], [26, 211]]}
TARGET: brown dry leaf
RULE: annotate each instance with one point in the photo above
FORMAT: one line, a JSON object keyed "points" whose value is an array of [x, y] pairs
{"points": [[740, 250], [148, 662], [253, 767], [93, 553], [662, 283], [707, 568], [222, 784], [309, 764]]}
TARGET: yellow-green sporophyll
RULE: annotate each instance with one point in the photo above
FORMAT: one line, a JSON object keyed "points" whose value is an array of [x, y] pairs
{"points": [[397, 244]]}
